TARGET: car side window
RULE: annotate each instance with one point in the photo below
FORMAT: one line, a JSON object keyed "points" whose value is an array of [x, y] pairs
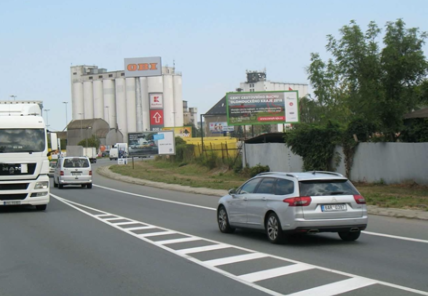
{"points": [[249, 187], [284, 187], [267, 185]]}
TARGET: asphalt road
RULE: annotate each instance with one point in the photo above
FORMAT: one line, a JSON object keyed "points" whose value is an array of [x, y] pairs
{"points": [[115, 239]]}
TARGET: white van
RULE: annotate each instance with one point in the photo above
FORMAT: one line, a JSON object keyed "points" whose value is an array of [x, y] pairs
{"points": [[73, 171]]}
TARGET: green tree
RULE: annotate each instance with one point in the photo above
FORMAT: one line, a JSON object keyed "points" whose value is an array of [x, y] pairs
{"points": [[364, 81]]}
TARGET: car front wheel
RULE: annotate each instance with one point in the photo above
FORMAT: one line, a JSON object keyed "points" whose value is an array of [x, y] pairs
{"points": [[350, 236], [223, 221], [273, 229]]}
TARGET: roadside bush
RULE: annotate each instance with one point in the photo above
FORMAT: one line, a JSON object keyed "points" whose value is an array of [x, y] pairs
{"points": [[255, 170], [209, 160]]}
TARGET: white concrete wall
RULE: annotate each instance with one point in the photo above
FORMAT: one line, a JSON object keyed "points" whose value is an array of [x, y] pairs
{"points": [[373, 162]]}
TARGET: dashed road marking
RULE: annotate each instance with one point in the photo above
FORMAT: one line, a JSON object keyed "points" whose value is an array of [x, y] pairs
{"points": [[251, 279]]}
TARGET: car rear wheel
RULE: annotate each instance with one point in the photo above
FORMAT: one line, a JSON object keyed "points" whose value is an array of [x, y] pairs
{"points": [[83, 185], [350, 236], [223, 221], [89, 186], [60, 186], [273, 229], [55, 184]]}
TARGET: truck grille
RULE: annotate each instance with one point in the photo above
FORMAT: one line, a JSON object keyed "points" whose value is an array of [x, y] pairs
{"points": [[11, 169], [13, 196], [16, 186]]}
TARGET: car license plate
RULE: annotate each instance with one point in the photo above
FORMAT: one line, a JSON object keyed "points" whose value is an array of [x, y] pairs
{"points": [[12, 202], [333, 208], [76, 174]]}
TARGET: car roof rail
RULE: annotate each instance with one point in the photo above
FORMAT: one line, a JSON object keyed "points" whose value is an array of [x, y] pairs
{"points": [[327, 173], [264, 173]]}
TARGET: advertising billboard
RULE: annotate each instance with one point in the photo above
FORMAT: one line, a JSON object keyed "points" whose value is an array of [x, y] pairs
{"points": [[253, 108], [143, 67], [151, 143], [142, 144], [183, 131], [156, 100], [220, 127]]}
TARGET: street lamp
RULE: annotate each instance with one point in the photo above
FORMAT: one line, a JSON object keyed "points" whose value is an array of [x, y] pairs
{"points": [[66, 120], [89, 127], [13, 96], [47, 117]]}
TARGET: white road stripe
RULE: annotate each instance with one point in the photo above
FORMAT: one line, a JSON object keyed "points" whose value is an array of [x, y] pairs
{"points": [[157, 199], [155, 233], [125, 223], [139, 227], [177, 240], [113, 219], [202, 249], [102, 215], [214, 209], [274, 272], [336, 288], [234, 259], [397, 237]]}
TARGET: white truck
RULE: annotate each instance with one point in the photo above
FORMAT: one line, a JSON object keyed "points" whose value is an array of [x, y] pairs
{"points": [[119, 150], [89, 152], [24, 163]]}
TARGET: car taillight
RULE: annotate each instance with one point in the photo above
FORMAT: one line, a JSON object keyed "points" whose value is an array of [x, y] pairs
{"points": [[302, 201], [61, 173], [359, 199], [90, 173]]}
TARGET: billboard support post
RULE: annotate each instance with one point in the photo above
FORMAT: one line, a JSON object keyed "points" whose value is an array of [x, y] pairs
{"points": [[202, 135]]}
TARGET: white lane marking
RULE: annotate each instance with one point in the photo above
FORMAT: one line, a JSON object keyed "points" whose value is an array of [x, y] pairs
{"points": [[139, 227], [274, 272], [214, 209], [79, 207], [177, 240], [396, 237], [156, 233], [336, 288], [234, 259], [102, 215], [155, 198], [113, 219], [203, 249], [125, 223]]}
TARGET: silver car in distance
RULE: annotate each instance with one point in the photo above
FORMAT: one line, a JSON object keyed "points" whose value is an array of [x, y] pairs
{"points": [[304, 202]]}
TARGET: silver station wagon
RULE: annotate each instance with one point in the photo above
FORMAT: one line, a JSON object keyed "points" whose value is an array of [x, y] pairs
{"points": [[73, 171], [281, 203]]}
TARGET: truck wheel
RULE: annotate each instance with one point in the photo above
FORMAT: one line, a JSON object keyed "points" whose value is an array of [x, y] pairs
{"points": [[41, 207]]}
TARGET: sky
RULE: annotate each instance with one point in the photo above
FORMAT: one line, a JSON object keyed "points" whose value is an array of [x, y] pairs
{"points": [[212, 43]]}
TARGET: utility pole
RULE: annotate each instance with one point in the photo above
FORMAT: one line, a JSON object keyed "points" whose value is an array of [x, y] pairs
{"points": [[13, 96]]}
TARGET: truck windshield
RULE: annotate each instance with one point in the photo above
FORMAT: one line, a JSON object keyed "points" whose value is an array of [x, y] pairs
{"points": [[22, 140]]}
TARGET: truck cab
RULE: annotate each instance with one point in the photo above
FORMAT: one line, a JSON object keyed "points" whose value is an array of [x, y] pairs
{"points": [[24, 165]]}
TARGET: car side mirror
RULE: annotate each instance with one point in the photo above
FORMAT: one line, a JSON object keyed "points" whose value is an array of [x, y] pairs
{"points": [[232, 191]]}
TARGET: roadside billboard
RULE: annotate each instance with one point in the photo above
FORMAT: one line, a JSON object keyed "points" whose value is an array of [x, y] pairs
{"points": [[183, 131], [251, 108], [142, 144], [220, 127], [151, 143], [143, 67]]}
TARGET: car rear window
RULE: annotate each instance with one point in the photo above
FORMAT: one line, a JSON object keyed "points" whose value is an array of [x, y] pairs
{"points": [[76, 163], [326, 187]]}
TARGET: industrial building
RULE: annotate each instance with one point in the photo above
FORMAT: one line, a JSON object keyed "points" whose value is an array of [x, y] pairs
{"points": [[127, 104]]}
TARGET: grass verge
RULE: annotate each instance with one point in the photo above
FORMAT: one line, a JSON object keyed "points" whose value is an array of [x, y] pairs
{"points": [[407, 196]]}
